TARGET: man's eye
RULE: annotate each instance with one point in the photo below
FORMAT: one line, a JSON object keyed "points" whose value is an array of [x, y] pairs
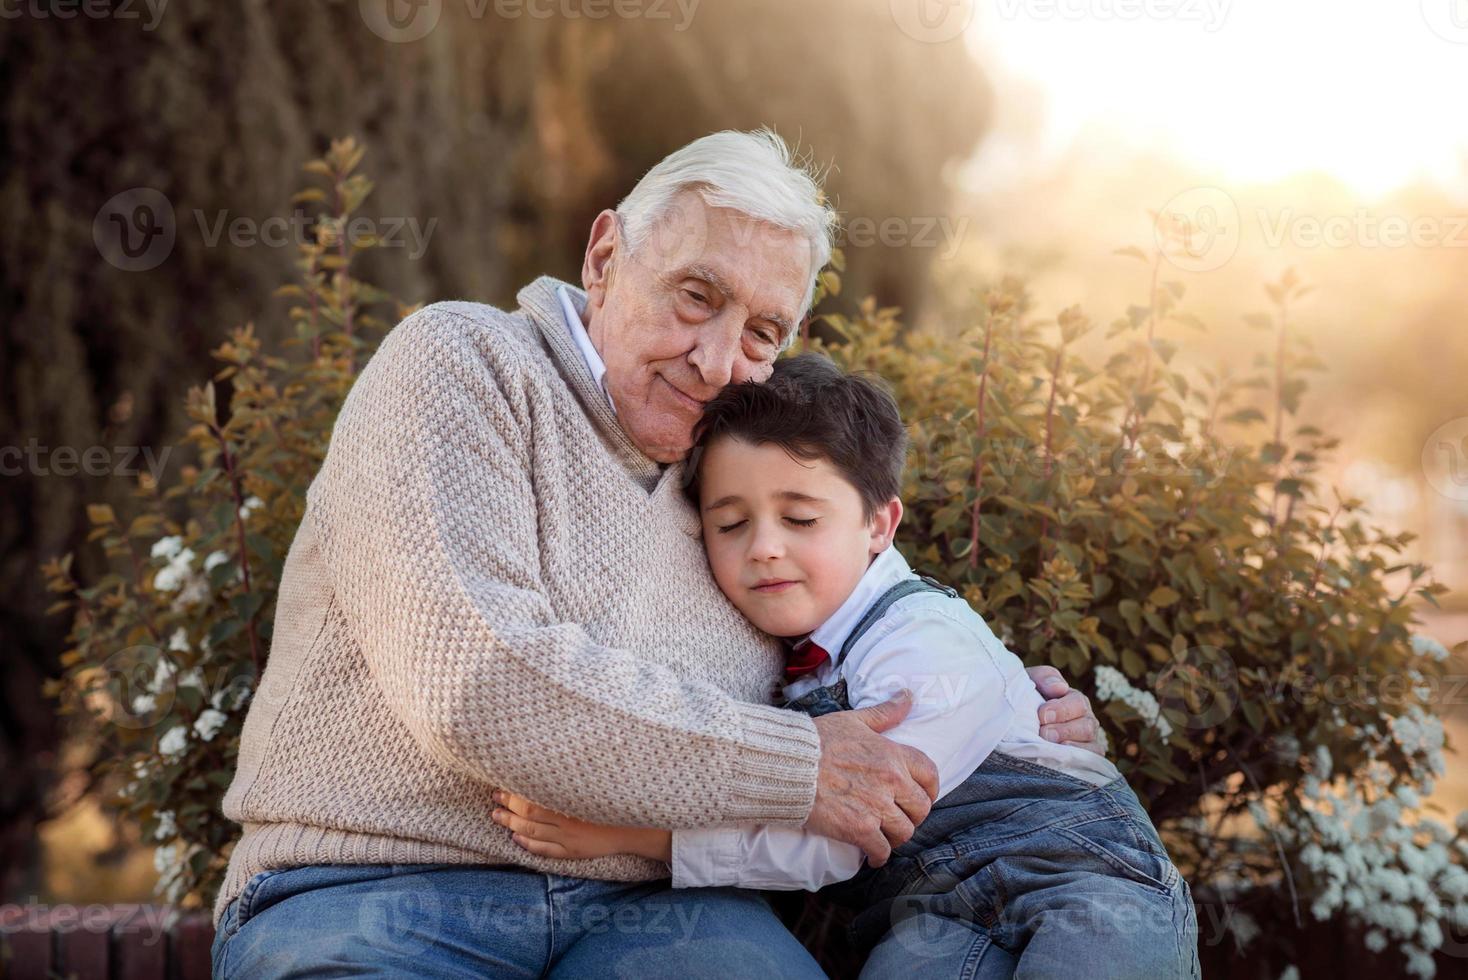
{"points": [[697, 296], [767, 337], [802, 523], [726, 528]]}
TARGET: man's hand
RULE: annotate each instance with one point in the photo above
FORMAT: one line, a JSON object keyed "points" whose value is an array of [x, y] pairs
{"points": [[870, 791], [1066, 715]]}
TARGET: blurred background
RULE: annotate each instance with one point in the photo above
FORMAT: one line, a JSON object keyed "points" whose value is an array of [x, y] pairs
{"points": [[149, 152]]}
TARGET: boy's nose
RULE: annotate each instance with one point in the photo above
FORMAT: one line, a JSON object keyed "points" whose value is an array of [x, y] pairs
{"points": [[767, 545]]}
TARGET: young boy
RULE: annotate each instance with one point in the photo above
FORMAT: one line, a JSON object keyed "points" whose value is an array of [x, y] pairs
{"points": [[1035, 852]]}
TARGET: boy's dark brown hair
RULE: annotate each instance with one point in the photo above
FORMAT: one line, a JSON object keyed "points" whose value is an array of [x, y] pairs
{"points": [[813, 410]]}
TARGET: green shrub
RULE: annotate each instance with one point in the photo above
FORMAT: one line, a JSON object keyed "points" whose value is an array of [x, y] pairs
{"points": [[1107, 509]]}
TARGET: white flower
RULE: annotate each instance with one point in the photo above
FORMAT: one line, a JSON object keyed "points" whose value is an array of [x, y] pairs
{"points": [[191, 678], [1291, 972], [167, 826], [1376, 940], [167, 547], [173, 742], [196, 590], [1112, 685], [144, 704], [1419, 962], [179, 640], [252, 503], [215, 558], [1426, 646], [209, 722], [162, 674], [1244, 928], [164, 858], [172, 575]]}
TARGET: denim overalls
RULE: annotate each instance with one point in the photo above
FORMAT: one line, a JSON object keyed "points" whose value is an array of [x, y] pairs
{"points": [[1020, 868]]}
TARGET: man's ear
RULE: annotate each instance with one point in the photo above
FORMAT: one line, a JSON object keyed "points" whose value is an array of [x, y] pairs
{"points": [[601, 250], [884, 525]]}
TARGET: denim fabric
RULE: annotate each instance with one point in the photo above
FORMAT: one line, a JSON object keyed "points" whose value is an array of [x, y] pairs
{"points": [[1025, 871], [454, 920]]}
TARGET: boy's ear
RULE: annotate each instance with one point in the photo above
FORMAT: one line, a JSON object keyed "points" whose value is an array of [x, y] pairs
{"points": [[884, 525]]}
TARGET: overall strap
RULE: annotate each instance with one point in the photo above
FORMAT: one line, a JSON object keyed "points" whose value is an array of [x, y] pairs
{"points": [[878, 609]]}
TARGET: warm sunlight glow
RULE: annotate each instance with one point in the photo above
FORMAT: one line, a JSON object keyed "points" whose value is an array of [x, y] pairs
{"points": [[1250, 91]]}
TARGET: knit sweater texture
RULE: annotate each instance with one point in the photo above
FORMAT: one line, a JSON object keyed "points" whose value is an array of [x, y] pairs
{"points": [[493, 586]]}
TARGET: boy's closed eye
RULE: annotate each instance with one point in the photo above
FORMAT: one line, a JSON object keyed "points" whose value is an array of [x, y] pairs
{"points": [[797, 521]]}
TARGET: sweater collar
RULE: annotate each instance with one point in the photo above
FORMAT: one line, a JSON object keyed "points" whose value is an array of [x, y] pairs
{"points": [[541, 302]]}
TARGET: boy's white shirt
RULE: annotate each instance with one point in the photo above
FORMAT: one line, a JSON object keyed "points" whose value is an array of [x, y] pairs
{"points": [[971, 696]]}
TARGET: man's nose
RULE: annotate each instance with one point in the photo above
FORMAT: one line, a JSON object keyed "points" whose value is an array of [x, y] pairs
{"points": [[715, 355]]}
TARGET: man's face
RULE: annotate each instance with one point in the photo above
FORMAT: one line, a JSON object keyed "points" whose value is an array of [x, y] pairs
{"points": [[707, 300], [786, 538]]}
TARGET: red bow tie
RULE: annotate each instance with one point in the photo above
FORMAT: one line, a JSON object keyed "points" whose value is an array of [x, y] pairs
{"points": [[804, 658]]}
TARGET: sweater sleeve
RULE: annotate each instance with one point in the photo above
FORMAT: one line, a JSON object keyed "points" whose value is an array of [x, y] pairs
{"points": [[427, 515]]}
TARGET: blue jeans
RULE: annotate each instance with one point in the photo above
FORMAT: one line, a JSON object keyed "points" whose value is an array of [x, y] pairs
{"points": [[1026, 871], [454, 920]]}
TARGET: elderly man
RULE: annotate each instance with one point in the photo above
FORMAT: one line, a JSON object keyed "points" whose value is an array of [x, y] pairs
{"points": [[498, 582]]}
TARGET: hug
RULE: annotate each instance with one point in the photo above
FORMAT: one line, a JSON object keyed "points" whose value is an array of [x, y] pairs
{"points": [[517, 718]]}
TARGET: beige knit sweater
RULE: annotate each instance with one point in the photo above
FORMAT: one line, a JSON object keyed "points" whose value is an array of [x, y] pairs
{"points": [[493, 586]]}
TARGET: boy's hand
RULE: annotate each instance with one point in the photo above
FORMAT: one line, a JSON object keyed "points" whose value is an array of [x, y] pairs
{"points": [[556, 835], [1066, 715]]}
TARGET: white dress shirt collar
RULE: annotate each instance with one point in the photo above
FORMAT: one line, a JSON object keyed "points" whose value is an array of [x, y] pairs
{"points": [[594, 363], [885, 571]]}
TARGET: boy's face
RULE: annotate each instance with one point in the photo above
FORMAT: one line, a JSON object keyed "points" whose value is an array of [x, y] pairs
{"points": [[786, 538]]}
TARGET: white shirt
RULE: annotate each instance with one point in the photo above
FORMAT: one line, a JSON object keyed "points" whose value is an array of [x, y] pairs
{"points": [[971, 696], [589, 353]]}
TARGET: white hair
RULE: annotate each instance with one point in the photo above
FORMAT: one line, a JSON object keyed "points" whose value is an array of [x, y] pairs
{"points": [[752, 173]]}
